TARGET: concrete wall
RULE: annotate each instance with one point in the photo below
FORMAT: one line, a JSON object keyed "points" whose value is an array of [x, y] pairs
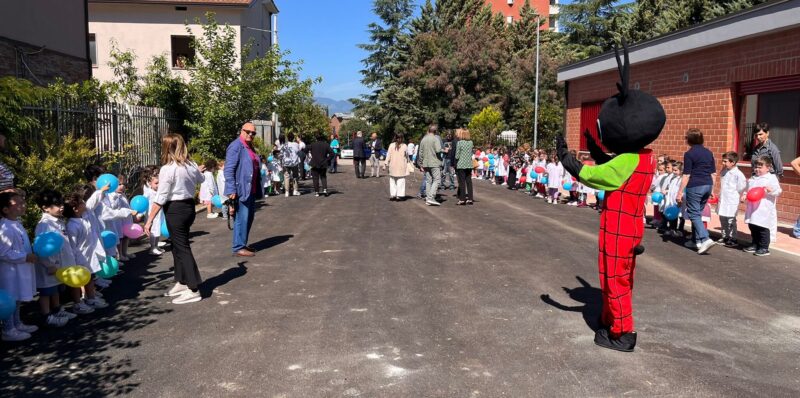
{"points": [[258, 17], [146, 30], [58, 25], [706, 100]]}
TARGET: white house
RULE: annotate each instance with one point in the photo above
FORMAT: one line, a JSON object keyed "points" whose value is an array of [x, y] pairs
{"points": [[150, 28]]}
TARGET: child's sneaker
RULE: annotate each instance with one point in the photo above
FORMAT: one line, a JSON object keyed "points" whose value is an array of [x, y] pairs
{"points": [[98, 294], [122, 257], [187, 297], [62, 313], [96, 303], [130, 256], [57, 321], [15, 335], [25, 328], [82, 308], [161, 244], [731, 243], [103, 282], [762, 252], [749, 249], [156, 252], [212, 215]]}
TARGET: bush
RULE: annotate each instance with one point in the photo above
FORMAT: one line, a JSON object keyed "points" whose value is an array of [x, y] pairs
{"points": [[56, 163]]}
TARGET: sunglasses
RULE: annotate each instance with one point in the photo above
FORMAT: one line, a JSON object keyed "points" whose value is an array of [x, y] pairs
{"points": [[250, 132]]}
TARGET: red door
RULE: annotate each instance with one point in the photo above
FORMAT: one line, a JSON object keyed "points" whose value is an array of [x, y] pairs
{"points": [[589, 113]]}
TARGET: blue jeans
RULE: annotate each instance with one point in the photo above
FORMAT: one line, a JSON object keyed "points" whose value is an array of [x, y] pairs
{"points": [[244, 220], [696, 199], [423, 185], [796, 231]]}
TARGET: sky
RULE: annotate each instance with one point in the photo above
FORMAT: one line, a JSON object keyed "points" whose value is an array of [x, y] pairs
{"points": [[325, 39]]}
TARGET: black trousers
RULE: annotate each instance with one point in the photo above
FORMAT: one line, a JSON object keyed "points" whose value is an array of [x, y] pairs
{"points": [[180, 217], [760, 236], [464, 184], [360, 164], [728, 226], [318, 174]]}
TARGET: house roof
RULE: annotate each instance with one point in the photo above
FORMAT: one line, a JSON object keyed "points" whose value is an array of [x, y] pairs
{"points": [[766, 18]]}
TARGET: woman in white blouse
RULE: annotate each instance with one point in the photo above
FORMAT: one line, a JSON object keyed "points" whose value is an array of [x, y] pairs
{"points": [[176, 187]]}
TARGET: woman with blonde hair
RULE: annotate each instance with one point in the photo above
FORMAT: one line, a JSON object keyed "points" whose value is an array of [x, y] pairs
{"points": [[397, 162], [178, 178], [464, 167]]}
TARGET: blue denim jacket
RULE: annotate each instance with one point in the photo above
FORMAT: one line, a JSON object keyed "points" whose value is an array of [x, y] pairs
{"points": [[239, 172]]}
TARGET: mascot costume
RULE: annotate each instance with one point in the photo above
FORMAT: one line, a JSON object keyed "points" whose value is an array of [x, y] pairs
{"points": [[628, 122]]}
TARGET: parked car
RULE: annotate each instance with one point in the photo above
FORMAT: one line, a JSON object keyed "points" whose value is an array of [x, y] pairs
{"points": [[346, 152]]}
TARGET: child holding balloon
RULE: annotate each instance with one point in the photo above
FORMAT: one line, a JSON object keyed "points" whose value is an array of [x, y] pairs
{"points": [[120, 202], [52, 205], [555, 176], [17, 276], [760, 214], [86, 246]]}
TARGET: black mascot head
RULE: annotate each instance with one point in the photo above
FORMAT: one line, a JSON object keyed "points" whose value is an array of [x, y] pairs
{"points": [[632, 119]]}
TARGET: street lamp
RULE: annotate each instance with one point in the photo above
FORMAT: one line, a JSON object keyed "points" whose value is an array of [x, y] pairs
{"points": [[536, 96]]}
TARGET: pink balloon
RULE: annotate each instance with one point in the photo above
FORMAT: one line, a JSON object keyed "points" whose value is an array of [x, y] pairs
{"points": [[755, 194], [132, 231]]}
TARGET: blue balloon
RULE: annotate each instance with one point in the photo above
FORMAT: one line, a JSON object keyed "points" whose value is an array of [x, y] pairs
{"points": [[657, 197], [7, 305], [140, 204], [263, 172], [601, 195], [269, 159], [48, 244], [567, 185], [534, 175], [107, 179], [671, 212], [217, 201], [109, 239], [544, 180], [164, 229]]}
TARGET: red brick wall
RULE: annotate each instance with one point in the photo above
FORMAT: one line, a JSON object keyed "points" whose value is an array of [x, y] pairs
{"points": [[706, 100], [542, 8]]}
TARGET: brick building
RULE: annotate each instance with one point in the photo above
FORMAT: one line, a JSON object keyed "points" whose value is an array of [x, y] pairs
{"points": [[510, 10], [337, 120], [723, 77], [42, 40]]}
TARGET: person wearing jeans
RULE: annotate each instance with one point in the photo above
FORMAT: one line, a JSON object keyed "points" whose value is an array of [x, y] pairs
{"points": [[243, 183], [177, 180], [430, 151], [699, 178]]}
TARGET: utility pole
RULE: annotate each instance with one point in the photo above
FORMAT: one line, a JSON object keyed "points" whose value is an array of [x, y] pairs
{"points": [[536, 96]]}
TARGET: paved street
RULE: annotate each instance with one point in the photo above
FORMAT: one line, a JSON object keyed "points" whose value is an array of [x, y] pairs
{"points": [[353, 295]]}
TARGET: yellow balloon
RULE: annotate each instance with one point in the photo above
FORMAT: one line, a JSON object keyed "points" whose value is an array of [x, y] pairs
{"points": [[74, 276]]}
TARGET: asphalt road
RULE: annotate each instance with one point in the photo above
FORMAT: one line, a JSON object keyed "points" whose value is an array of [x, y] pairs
{"points": [[354, 295]]}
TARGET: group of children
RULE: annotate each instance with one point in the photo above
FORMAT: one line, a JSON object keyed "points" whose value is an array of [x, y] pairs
{"points": [[760, 213], [79, 217], [539, 173]]}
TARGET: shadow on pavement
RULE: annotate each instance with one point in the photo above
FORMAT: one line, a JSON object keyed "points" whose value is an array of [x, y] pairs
{"points": [[208, 286], [76, 360], [591, 297], [265, 244]]}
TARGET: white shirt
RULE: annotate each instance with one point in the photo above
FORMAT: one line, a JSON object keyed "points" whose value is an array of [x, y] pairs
{"points": [[85, 243], [64, 258], [177, 182], [763, 213], [150, 194], [17, 277], [555, 174], [732, 184]]}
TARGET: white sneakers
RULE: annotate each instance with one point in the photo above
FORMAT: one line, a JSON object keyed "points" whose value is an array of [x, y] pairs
{"points": [[15, 335], [64, 314], [296, 193], [104, 283], [156, 251], [25, 328], [705, 246], [187, 296], [212, 215], [176, 290], [287, 194], [56, 321], [96, 303], [82, 308], [432, 203]]}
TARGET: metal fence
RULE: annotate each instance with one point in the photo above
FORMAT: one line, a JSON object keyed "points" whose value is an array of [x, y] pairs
{"points": [[135, 131]]}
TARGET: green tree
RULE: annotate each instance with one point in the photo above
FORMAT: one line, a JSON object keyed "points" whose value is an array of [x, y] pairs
{"points": [[485, 126], [592, 26], [162, 89], [125, 86], [348, 129]]}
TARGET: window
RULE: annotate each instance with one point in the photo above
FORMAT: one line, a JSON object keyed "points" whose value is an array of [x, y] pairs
{"points": [[779, 109], [92, 49], [182, 52], [510, 19], [552, 21]]}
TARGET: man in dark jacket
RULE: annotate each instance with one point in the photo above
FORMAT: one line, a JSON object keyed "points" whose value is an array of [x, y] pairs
{"points": [[360, 155], [448, 166], [321, 156], [765, 147]]}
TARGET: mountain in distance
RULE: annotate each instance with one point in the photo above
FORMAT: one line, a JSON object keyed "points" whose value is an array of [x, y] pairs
{"points": [[335, 106]]}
